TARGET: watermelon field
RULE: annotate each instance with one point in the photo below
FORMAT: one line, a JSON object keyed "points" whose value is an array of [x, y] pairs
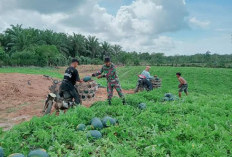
{"points": [[196, 125]]}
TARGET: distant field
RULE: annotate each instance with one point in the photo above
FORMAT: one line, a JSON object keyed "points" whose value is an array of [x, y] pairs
{"points": [[197, 125], [33, 70]]}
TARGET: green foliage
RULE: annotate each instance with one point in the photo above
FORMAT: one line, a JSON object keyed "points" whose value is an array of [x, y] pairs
{"points": [[43, 55], [47, 55], [33, 70], [197, 125], [4, 58], [24, 58], [90, 51]]}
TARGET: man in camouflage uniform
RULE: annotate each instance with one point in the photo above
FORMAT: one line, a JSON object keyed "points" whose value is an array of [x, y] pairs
{"points": [[109, 71]]}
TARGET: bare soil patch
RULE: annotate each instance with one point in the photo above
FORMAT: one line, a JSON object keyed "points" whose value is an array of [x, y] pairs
{"points": [[22, 96]]}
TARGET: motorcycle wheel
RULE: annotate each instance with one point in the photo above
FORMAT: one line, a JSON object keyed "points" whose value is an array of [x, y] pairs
{"points": [[49, 107], [136, 89]]}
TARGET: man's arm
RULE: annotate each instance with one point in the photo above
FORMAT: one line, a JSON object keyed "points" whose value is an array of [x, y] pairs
{"points": [[77, 76], [149, 76], [99, 73]]}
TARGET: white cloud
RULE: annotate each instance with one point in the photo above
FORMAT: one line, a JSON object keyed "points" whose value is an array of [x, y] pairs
{"points": [[137, 27], [143, 20], [202, 24]]}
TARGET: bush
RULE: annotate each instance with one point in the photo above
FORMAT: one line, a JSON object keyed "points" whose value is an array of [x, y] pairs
{"points": [[47, 55], [23, 58], [85, 60], [4, 58], [96, 61]]}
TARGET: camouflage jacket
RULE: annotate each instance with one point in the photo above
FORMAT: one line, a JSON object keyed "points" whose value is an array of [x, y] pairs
{"points": [[109, 73]]}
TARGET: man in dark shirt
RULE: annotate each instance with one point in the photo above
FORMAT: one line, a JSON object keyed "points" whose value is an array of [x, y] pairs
{"points": [[71, 76]]}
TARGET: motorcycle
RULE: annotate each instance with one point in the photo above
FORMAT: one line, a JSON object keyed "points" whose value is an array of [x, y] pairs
{"points": [[54, 98], [141, 83]]}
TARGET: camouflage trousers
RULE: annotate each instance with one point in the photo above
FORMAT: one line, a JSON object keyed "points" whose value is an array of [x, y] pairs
{"points": [[110, 88]]}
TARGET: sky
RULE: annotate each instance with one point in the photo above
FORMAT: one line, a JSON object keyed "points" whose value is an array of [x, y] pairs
{"points": [[173, 27]]}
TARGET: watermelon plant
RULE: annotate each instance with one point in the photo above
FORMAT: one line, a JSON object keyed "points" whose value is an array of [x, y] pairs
{"points": [[196, 125]]}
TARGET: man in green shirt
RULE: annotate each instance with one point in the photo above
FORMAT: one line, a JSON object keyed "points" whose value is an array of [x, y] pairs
{"points": [[108, 70]]}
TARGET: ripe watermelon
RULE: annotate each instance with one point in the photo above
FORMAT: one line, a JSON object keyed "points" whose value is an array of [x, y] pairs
{"points": [[165, 99], [107, 121], [86, 78], [96, 123], [81, 127], [142, 106], [1, 152], [16, 155], [94, 134], [169, 95], [38, 153]]}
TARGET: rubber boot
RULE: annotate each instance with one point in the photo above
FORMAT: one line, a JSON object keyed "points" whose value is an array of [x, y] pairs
{"points": [[123, 101], [109, 101]]}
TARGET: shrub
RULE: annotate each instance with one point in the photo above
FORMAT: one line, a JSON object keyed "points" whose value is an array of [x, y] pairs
{"points": [[23, 58], [4, 58]]}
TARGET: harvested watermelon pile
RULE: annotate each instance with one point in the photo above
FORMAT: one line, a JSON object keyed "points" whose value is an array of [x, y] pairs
{"points": [[97, 124]]}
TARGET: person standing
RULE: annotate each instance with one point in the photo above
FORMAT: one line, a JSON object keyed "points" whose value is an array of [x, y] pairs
{"points": [[108, 70], [183, 86]]}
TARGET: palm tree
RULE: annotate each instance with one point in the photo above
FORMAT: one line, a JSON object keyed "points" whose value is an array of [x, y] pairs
{"points": [[60, 40], [117, 49], [106, 49], [92, 46], [77, 45], [16, 38]]}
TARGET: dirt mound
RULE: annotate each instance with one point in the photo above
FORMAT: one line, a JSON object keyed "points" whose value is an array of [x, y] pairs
{"points": [[22, 96]]}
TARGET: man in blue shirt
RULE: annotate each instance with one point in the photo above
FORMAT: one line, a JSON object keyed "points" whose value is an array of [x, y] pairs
{"points": [[147, 81]]}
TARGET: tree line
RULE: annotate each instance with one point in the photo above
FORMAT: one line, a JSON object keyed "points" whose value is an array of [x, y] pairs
{"points": [[29, 46]]}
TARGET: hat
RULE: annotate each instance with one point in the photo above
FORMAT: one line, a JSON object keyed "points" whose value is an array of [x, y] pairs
{"points": [[107, 59]]}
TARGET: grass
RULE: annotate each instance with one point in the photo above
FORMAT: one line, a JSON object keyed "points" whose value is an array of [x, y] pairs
{"points": [[197, 125], [33, 70]]}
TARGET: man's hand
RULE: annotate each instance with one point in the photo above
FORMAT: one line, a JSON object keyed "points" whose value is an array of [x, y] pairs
{"points": [[80, 81], [179, 85], [99, 76]]}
